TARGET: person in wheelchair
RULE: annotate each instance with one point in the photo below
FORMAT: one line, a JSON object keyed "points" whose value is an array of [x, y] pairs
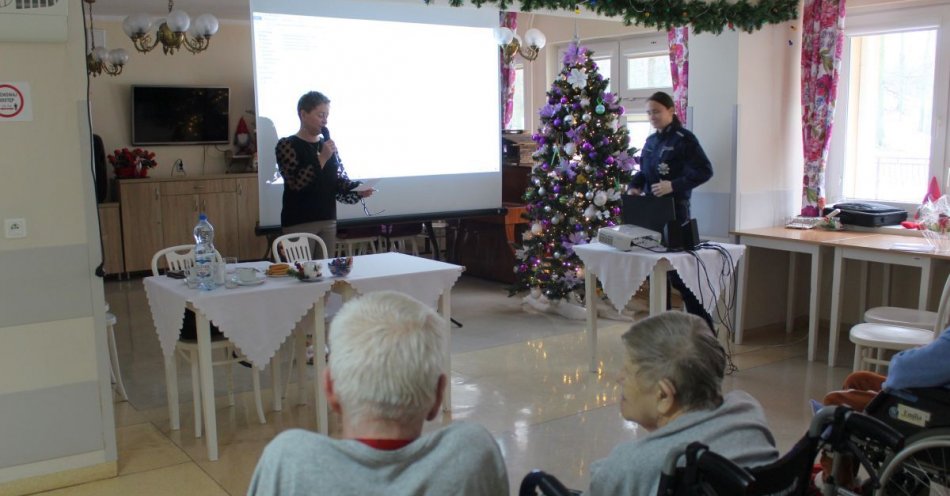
{"points": [[916, 368], [385, 378], [672, 387]]}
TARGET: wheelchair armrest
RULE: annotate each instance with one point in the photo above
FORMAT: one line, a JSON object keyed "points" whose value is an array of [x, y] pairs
{"points": [[865, 426], [724, 471]]}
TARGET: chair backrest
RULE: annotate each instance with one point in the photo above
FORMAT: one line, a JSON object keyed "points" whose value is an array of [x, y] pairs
{"points": [[181, 257], [943, 310], [296, 247], [703, 473]]}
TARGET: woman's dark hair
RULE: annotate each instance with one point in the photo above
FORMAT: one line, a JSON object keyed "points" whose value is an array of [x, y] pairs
{"points": [[311, 100], [665, 100]]}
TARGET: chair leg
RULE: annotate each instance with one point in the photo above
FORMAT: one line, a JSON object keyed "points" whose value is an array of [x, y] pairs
{"points": [[858, 357], [195, 390], [229, 352], [114, 359], [256, 381], [878, 367]]}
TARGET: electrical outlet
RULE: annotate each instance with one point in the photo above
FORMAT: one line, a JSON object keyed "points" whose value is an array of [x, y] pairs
{"points": [[14, 228]]}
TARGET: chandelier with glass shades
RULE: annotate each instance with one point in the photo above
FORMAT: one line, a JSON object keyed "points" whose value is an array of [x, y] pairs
{"points": [[100, 59], [511, 43], [173, 33]]}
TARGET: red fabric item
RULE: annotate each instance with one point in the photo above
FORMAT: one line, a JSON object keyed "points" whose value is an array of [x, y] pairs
{"points": [[933, 190], [910, 225], [386, 444]]}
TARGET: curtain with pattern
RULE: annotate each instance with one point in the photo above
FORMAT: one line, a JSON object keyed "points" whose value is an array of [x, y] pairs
{"points": [[508, 20], [822, 42], [679, 67]]}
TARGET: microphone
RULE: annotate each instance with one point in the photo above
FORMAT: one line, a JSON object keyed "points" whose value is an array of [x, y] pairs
{"points": [[320, 139]]}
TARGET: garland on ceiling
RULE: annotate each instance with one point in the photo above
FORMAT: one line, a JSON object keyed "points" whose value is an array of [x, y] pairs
{"points": [[702, 16]]}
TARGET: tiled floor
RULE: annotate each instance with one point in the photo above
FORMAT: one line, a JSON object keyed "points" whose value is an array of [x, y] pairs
{"points": [[521, 374]]}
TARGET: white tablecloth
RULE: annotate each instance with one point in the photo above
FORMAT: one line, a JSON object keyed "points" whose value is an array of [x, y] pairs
{"points": [[421, 278], [622, 272], [257, 319]]}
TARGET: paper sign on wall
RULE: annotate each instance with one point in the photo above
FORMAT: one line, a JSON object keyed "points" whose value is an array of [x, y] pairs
{"points": [[15, 102]]}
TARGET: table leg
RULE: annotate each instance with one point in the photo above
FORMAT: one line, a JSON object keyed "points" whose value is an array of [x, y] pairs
{"points": [[790, 297], [207, 385], [925, 273], [445, 309], [863, 288], [590, 294], [275, 381], [814, 302], [300, 350], [319, 359], [743, 281], [658, 284], [171, 390], [835, 307]]}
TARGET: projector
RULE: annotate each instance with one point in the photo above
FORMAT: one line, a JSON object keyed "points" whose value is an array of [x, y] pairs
{"points": [[626, 237]]}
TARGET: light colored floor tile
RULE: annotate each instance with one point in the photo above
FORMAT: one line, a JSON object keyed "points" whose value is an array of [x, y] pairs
{"points": [[185, 478], [142, 447]]}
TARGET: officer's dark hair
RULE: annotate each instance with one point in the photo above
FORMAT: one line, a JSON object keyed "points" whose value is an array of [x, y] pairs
{"points": [[311, 100], [667, 101]]}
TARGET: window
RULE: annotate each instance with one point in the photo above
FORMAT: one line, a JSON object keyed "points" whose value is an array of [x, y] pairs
{"points": [[885, 142], [646, 70], [517, 103]]}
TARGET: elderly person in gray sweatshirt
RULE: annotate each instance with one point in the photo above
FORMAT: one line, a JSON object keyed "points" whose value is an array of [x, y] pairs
{"points": [[672, 387], [385, 378]]}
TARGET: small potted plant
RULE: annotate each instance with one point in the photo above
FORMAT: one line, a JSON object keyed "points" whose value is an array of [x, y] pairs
{"points": [[132, 163]]}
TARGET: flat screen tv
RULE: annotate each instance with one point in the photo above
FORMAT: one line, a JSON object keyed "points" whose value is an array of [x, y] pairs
{"points": [[179, 115]]}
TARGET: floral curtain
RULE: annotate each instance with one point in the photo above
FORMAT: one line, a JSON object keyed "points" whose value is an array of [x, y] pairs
{"points": [[508, 20], [822, 41], [679, 67]]}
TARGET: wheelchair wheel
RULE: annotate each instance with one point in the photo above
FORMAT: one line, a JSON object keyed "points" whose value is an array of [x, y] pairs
{"points": [[922, 468]]}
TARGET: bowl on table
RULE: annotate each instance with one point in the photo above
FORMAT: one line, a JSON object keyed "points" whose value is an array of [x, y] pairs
{"points": [[340, 267], [309, 271]]}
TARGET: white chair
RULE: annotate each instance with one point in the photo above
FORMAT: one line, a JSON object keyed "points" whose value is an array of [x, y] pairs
{"points": [[348, 247], [182, 258], [296, 248], [868, 337], [113, 355]]}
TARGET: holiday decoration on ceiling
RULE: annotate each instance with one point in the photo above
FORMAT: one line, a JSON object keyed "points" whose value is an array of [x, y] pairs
{"points": [[702, 16], [581, 167]]}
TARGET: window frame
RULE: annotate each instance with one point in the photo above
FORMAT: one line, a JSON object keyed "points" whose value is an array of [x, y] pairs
{"points": [[886, 22]]}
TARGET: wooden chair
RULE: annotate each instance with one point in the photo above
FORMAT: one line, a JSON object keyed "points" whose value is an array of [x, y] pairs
{"points": [[868, 336], [182, 257]]}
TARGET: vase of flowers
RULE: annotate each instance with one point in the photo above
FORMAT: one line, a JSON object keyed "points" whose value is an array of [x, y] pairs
{"points": [[132, 163]]}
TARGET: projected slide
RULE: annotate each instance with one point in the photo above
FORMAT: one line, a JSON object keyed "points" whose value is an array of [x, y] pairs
{"points": [[414, 99]]}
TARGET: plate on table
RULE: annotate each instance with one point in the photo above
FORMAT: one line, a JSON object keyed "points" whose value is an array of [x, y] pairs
{"points": [[256, 282]]}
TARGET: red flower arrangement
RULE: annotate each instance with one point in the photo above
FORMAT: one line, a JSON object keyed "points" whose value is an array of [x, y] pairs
{"points": [[132, 163]]}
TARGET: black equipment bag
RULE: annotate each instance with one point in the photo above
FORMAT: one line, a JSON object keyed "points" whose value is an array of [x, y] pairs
{"points": [[868, 214]]}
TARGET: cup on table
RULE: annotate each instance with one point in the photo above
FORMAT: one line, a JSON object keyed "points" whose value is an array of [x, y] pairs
{"points": [[246, 275], [230, 272], [312, 269], [218, 270], [191, 277]]}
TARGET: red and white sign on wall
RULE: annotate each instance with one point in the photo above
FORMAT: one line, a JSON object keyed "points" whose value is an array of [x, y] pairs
{"points": [[15, 102]]}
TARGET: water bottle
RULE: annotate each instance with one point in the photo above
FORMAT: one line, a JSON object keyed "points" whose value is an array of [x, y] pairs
{"points": [[204, 253]]}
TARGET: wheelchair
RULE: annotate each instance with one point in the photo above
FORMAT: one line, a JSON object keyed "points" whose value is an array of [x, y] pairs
{"points": [[922, 416]]}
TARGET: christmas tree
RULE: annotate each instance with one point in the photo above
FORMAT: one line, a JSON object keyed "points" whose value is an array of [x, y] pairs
{"points": [[582, 166]]}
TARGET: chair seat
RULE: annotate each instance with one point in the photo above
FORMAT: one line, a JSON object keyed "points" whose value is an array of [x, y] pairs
{"points": [[900, 316], [889, 337]]}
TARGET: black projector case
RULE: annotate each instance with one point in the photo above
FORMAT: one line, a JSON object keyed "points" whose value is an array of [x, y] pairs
{"points": [[868, 214]]}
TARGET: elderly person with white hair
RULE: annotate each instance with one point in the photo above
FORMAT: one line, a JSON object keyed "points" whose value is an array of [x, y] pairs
{"points": [[385, 378], [672, 387]]}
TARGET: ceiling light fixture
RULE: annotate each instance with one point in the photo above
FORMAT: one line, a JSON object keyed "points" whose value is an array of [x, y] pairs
{"points": [[173, 33]]}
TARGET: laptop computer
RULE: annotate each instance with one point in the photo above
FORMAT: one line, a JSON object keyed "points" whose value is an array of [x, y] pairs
{"points": [[650, 212]]}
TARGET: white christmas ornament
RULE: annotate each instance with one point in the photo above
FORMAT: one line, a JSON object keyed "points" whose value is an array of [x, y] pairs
{"points": [[569, 148], [536, 229], [600, 198], [577, 78], [590, 213]]}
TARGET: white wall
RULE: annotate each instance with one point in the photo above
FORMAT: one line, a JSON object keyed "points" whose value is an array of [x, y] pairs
{"points": [[55, 394]]}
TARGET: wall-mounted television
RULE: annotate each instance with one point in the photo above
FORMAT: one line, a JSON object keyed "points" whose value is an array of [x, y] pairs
{"points": [[179, 115]]}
